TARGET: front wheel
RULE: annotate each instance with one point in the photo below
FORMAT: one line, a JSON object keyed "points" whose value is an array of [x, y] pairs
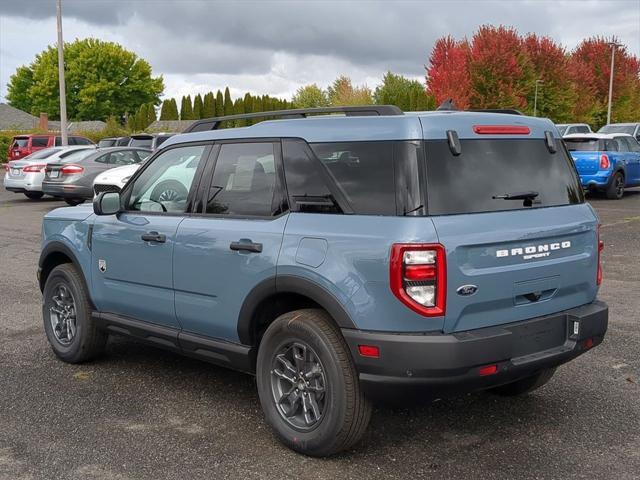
{"points": [[74, 201], [524, 385], [34, 195], [615, 190], [308, 385]]}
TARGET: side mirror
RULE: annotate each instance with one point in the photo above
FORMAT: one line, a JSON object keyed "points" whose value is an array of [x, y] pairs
{"points": [[106, 203]]}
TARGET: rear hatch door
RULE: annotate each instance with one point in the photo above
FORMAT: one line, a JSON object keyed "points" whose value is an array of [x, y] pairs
{"points": [[586, 153], [510, 260]]}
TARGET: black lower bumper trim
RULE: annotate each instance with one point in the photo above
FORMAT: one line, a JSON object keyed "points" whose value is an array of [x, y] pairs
{"points": [[453, 362]]}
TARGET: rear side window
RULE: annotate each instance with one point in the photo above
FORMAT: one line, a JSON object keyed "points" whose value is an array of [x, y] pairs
{"points": [[618, 129], [622, 144], [633, 144], [39, 141], [489, 168], [20, 142], [363, 171], [82, 141], [244, 181]]}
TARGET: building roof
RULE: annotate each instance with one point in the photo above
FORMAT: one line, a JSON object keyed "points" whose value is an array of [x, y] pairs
{"points": [[170, 125], [13, 119]]}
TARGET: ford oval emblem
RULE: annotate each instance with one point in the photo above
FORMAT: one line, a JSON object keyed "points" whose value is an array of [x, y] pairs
{"points": [[467, 290]]}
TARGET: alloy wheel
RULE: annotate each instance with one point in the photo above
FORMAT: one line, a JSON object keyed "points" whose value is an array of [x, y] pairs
{"points": [[62, 314]]}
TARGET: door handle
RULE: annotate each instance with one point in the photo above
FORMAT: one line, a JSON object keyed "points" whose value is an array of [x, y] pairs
{"points": [[246, 245], [154, 237]]}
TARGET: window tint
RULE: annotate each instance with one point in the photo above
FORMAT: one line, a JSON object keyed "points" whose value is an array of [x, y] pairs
{"points": [[39, 141], [562, 129], [83, 141], [141, 142], [633, 144], [76, 155], [618, 129], [58, 141], [306, 179], [488, 168], [622, 144], [124, 157], [107, 142], [123, 142], [165, 184], [102, 158], [244, 180], [363, 171], [582, 129], [161, 139], [20, 142], [40, 154]]}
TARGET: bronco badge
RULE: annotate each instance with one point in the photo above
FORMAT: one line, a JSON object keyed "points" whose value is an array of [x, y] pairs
{"points": [[102, 265]]}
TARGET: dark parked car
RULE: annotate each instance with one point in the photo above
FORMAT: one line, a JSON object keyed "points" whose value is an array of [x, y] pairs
{"points": [[149, 140], [74, 181], [114, 142]]}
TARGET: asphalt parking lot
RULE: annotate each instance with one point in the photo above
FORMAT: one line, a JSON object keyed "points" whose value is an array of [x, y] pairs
{"points": [[142, 413]]}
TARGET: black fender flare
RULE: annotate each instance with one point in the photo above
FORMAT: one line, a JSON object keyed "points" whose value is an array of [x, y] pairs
{"points": [[59, 247], [289, 284]]}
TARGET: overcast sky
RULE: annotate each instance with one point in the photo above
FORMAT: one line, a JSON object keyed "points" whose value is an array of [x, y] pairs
{"points": [[275, 47]]}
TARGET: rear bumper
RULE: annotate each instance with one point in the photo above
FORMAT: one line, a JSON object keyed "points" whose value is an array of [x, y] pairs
{"points": [[66, 190], [26, 183], [452, 362], [596, 180]]}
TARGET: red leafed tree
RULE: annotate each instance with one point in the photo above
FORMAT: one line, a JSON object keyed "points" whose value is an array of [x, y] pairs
{"points": [[590, 68], [448, 72], [501, 74], [550, 64]]}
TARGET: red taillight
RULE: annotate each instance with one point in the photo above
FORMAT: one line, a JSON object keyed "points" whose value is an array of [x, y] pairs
{"points": [[418, 277], [501, 130], [71, 169], [600, 248], [34, 168], [369, 351], [488, 370], [604, 162]]}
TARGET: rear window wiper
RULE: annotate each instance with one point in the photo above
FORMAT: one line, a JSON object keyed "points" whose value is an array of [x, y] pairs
{"points": [[517, 196]]}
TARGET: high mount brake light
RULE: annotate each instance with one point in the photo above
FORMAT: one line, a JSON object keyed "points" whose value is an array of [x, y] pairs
{"points": [[501, 130], [34, 168], [71, 169], [418, 277], [604, 162], [600, 248]]}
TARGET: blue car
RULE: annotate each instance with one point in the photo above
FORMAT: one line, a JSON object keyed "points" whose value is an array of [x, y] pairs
{"points": [[339, 258], [606, 162]]}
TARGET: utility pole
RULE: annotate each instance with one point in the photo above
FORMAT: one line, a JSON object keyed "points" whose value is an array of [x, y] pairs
{"points": [[63, 98], [613, 46], [535, 98]]}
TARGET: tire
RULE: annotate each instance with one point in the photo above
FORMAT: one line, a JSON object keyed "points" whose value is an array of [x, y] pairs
{"points": [[169, 191], [74, 201], [344, 410], [86, 342], [615, 190], [524, 385], [34, 195]]}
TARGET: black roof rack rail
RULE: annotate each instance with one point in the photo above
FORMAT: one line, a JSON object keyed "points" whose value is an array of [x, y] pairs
{"points": [[359, 111], [510, 111]]}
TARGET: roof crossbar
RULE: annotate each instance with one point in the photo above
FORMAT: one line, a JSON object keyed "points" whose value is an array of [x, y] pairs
{"points": [[358, 111]]}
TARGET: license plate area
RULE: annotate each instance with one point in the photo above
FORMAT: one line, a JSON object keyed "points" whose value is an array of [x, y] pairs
{"points": [[538, 335], [54, 174], [16, 172]]}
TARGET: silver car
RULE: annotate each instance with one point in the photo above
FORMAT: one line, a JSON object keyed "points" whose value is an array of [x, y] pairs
{"points": [[26, 175]]}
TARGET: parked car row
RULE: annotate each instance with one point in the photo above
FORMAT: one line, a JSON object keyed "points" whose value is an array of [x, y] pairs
{"points": [[145, 140], [24, 145]]}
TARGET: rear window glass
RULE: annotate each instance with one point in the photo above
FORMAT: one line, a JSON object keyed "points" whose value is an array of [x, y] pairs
{"points": [[20, 142], [489, 168], [590, 145], [630, 129], [76, 155], [363, 171], [107, 142], [141, 142], [39, 141], [562, 129], [43, 153]]}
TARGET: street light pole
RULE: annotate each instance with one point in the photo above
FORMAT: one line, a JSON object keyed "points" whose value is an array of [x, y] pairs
{"points": [[63, 98], [613, 45], [535, 98]]}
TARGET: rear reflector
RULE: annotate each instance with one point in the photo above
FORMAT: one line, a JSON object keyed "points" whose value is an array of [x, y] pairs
{"points": [[488, 370], [501, 130], [588, 343], [369, 351]]}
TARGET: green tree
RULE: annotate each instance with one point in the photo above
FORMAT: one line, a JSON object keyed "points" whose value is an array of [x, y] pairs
{"points": [[209, 106], [248, 107], [102, 79], [169, 110], [228, 103], [310, 96], [342, 92], [238, 109], [198, 106], [151, 114], [186, 108], [400, 91], [219, 104]]}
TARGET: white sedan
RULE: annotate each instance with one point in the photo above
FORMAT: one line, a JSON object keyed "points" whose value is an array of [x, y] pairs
{"points": [[114, 179], [26, 175]]}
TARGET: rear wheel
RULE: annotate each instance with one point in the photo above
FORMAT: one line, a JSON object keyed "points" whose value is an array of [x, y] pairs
{"points": [[66, 312], [74, 201], [615, 190], [524, 385], [33, 195], [308, 385]]}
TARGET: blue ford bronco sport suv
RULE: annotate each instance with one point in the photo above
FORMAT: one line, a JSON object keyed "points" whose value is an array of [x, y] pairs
{"points": [[339, 256]]}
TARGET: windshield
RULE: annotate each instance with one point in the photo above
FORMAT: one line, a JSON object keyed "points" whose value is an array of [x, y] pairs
{"points": [[20, 142], [492, 175], [76, 155], [618, 129], [562, 129], [43, 154], [141, 142]]}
